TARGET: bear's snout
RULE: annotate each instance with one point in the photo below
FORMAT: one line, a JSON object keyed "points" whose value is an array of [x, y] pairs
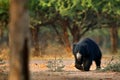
{"points": [[78, 56], [79, 66]]}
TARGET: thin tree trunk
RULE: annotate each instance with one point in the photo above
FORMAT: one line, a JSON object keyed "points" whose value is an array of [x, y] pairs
{"points": [[61, 41], [66, 37], [1, 33], [76, 34], [114, 39], [35, 38], [19, 40]]}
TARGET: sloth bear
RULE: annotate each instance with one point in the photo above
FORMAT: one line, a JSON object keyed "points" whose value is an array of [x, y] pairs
{"points": [[85, 52]]}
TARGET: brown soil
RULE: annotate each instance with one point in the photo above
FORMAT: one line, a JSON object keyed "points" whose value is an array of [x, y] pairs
{"points": [[39, 71]]}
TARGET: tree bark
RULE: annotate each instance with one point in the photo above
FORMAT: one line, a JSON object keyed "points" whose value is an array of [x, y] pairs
{"points": [[35, 38], [76, 33], [65, 36], [114, 39], [19, 40], [1, 33]]}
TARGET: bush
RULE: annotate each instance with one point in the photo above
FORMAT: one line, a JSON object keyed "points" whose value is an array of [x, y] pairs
{"points": [[55, 65], [113, 66]]}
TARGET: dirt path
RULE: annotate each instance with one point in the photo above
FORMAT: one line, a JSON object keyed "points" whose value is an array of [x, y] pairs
{"points": [[70, 72], [39, 71], [75, 76]]}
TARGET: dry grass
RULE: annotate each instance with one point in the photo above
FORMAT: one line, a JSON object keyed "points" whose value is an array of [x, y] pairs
{"points": [[4, 53], [39, 70]]}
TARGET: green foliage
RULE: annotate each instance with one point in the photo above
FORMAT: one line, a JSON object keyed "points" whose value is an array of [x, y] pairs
{"points": [[4, 5], [71, 8], [86, 14], [43, 10], [110, 8], [98, 32]]}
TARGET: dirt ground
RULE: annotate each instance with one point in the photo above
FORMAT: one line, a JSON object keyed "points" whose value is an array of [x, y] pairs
{"points": [[39, 71]]}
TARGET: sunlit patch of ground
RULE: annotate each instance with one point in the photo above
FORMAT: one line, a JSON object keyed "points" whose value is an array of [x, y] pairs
{"points": [[39, 71]]}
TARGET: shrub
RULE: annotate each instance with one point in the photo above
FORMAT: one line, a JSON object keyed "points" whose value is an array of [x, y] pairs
{"points": [[55, 65], [113, 65]]}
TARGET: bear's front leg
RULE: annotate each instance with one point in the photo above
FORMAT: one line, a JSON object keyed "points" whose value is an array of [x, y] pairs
{"points": [[86, 64]]}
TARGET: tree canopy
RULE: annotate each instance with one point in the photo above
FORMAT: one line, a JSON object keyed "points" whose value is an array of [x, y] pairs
{"points": [[70, 19]]}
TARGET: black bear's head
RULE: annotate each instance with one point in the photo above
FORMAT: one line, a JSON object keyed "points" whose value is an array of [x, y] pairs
{"points": [[76, 52]]}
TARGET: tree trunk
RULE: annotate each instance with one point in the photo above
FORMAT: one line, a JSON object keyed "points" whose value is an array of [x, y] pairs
{"points": [[19, 40], [66, 37], [1, 33], [114, 39], [35, 38], [61, 41], [76, 34]]}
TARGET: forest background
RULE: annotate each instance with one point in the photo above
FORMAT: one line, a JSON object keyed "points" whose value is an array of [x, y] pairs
{"points": [[56, 24]]}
